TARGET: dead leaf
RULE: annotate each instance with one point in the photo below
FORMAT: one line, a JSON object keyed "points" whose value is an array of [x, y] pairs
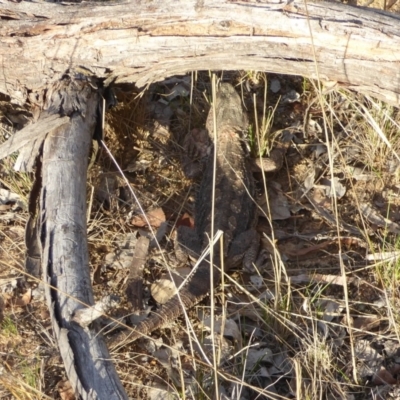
{"points": [[384, 377], [365, 352], [106, 189], [159, 235], [394, 369], [330, 308], [7, 197], [170, 358], [333, 186], [309, 182], [24, 300], [257, 356], [320, 198], [154, 217], [178, 90], [160, 392], [185, 220], [374, 217], [275, 85], [359, 174], [65, 390], [126, 248], [278, 205], [85, 316], [366, 323], [230, 327], [215, 344]]}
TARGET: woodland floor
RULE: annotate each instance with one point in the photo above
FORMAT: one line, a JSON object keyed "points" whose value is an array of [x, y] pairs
{"points": [[316, 318]]}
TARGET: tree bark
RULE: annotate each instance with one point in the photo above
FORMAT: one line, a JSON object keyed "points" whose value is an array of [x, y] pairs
{"points": [[143, 42], [59, 233]]}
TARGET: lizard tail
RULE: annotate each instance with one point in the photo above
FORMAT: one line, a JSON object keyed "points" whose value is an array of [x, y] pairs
{"points": [[190, 295]]}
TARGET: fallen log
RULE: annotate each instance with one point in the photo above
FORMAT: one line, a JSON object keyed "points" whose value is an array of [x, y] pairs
{"points": [[59, 231], [144, 42]]}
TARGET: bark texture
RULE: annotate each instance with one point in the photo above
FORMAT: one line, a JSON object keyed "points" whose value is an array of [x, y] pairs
{"points": [[59, 232], [142, 42]]}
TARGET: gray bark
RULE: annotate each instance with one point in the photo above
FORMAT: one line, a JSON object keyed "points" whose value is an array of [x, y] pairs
{"points": [[62, 240], [143, 42]]}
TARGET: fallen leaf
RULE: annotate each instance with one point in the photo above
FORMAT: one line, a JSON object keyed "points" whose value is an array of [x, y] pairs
{"points": [[394, 369], [333, 186], [256, 356], [217, 345], [160, 392], [7, 197], [24, 300], [230, 327], [365, 352], [154, 217], [320, 198], [359, 174], [65, 390], [369, 361], [374, 217], [159, 235], [366, 323], [185, 220], [383, 377], [277, 206], [330, 308], [122, 259], [178, 90], [309, 182], [275, 85]]}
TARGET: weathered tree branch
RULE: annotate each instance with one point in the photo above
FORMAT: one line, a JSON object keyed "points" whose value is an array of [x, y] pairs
{"points": [[144, 42], [62, 240]]}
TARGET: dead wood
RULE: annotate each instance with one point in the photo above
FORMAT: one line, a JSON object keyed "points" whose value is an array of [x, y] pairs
{"points": [[144, 42], [60, 233]]}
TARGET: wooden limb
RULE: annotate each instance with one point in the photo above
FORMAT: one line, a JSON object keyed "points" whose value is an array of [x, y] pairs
{"points": [[142, 42], [62, 222], [30, 133]]}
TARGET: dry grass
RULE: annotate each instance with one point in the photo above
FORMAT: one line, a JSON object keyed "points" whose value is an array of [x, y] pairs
{"points": [[296, 321], [308, 326]]}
